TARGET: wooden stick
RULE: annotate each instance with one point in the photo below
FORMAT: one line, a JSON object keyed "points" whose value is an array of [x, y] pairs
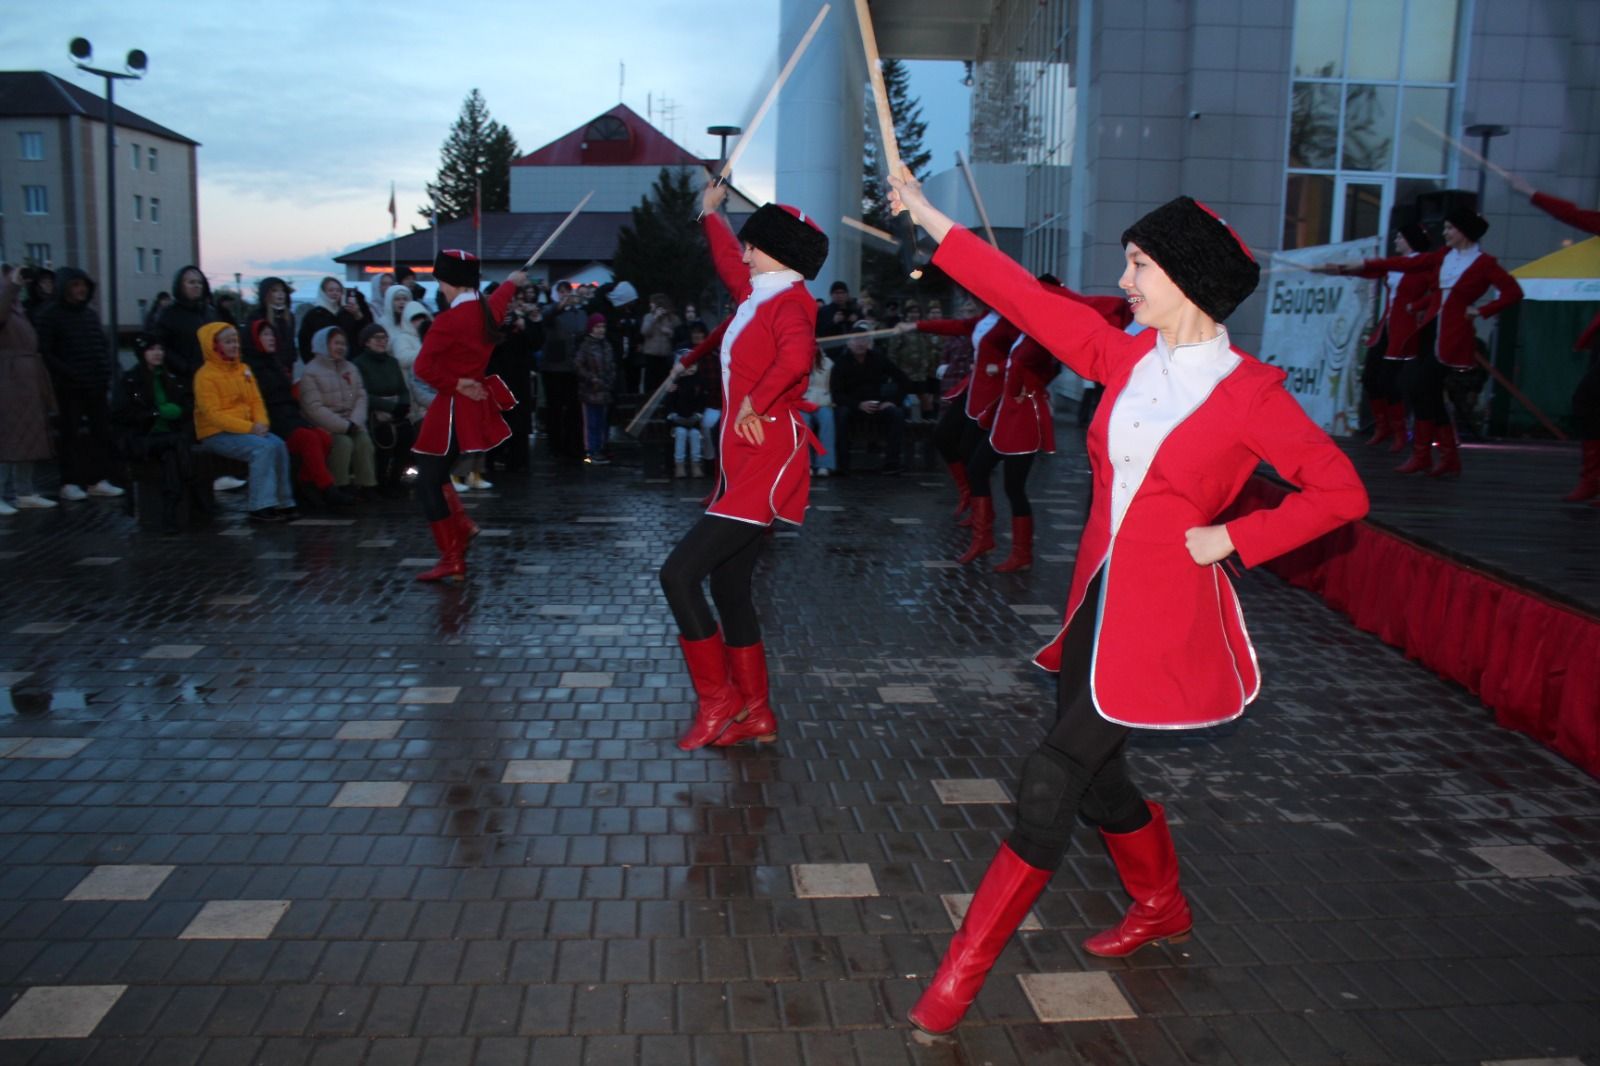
{"points": [[871, 231], [972, 186], [1494, 168], [864, 334], [1505, 383], [880, 93], [648, 408], [772, 94], [548, 241]]}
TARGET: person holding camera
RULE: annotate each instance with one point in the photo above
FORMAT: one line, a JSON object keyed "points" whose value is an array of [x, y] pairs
{"points": [[334, 307]]}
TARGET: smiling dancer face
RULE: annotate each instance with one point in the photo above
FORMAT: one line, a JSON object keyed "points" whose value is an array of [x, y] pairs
{"points": [[1157, 301]]}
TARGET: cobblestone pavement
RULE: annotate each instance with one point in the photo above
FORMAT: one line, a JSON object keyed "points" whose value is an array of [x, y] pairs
{"points": [[266, 800]]}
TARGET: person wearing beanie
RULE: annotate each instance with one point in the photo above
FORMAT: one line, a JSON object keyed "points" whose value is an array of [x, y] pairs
{"points": [[463, 416], [957, 433], [1154, 637], [1586, 397], [388, 405], [596, 366], [309, 447], [154, 416], [334, 399], [1394, 340], [766, 350], [1457, 276], [230, 420]]}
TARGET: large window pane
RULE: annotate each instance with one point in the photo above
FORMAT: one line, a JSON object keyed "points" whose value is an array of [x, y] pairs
{"points": [[1375, 39], [1422, 151], [1307, 210], [1314, 126], [1431, 40], [1319, 38], [1368, 127], [1363, 210]]}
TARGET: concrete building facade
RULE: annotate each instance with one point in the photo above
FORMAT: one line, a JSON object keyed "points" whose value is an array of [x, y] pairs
{"points": [[52, 189]]}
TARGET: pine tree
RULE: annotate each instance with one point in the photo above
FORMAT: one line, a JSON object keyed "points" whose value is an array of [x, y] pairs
{"points": [[478, 150], [882, 271], [662, 249]]}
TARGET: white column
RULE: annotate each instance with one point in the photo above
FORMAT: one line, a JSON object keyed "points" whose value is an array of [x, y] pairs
{"points": [[819, 116]]}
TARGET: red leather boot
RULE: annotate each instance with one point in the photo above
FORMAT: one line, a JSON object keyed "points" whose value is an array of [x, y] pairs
{"points": [[1397, 423], [1449, 464], [1588, 485], [1148, 866], [452, 564], [958, 474], [719, 702], [1009, 888], [1021, 556], [748, 665], [1381, 427], [982, 529], [1421, 449]]}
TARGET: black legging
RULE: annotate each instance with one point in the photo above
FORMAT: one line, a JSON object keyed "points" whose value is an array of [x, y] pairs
{"points": [[1380, 377], [725, 550], [955, 435], [1423, 379], [432, 473], [1080, 768], [981, 466], [1586, 399]]}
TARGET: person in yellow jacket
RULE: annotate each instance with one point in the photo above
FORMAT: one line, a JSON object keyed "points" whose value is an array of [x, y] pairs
{"points": [[231, 420]]}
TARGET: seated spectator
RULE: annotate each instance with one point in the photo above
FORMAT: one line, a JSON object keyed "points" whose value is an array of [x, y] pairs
{"points": [[155, 423], [686, 406], [308, 446], [333, 399], [274, 309], [26, 401], [819, 391], [334, 307], [72, 343], [597, 381], [918, 356], [230, 420], [868, 387], [388, 407]]}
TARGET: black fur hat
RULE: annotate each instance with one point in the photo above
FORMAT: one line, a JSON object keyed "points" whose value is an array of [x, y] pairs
{"points": [[1471, 224], [1417, 237], [788, 235], [456, 267], [1200, 252]]}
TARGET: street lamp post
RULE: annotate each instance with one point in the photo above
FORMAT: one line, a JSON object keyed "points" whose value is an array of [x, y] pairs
{"points": [[724, 132], [1486, 132], [137, 63]]}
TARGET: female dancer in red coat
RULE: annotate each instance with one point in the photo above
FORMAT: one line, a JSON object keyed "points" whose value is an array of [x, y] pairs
{"points": [[1586, 397], [465, 415], [1154, 637], [1459, 274], [766, 349], [957, 432]]}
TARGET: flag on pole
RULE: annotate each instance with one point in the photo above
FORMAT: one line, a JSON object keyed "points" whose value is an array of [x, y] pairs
{"points": [[477, 215], [433, 227]]}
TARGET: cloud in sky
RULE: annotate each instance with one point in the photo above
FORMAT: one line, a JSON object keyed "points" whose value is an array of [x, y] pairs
{"points": [[307, 111]]}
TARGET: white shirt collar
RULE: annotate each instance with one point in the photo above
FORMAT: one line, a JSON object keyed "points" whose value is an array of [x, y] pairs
{"points": [[775, 279], [465, 296], [1200, 353]]}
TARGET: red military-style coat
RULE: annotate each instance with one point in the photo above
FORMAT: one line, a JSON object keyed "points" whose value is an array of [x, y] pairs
{"points": [[1456, 337], [1020, 421], [1170, 646], [983, 385], [1402, 318], [1589, 222], [456, 348], [769, 361]]}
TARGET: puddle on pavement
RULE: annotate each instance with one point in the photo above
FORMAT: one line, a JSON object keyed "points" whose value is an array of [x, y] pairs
{"points": [[31, 700]]}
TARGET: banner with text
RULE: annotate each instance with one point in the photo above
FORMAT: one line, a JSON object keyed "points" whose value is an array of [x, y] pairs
{"points": [[1314, 328]]}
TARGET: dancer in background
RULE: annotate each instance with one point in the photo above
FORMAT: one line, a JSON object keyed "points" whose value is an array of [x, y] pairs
{"points": [[1154, 636], [464, 415], [767, 350]]}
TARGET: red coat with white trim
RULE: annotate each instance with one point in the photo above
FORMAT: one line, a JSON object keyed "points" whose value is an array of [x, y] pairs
{"points": [[1457, 340], [1171, 650], [1020, 421], [1402, 319], [1589, 222], [983, 385], [456, 348], [770, 363]]}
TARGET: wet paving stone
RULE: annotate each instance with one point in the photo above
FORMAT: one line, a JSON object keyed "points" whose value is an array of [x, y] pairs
{"points": [[374, 822]]}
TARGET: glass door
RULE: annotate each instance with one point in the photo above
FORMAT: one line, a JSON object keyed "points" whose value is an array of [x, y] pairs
{"points": [[1361, 208]]}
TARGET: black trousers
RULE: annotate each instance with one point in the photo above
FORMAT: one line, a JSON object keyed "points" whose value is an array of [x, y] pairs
{"points": [[725, 550], [1380, 377], [955, 435], [980, 467], [563, 414], [1080, 768], [433, 471], [392, 449], [1586, 400], [893, 418], [1423, 381], [87, 445]]}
